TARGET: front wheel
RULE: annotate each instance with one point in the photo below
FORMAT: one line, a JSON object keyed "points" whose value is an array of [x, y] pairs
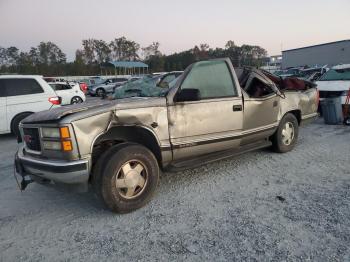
{"points": [[286, 135], [100, 92], [127, 177]]}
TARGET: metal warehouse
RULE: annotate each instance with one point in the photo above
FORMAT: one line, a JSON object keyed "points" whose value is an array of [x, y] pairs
{"points": [[324, 54]]}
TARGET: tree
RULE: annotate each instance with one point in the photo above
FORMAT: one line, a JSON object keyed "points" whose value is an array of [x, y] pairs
{"points": [[12, 55], [88, 50], [230, 44], [124, 50], [48, 59], [102, 51], [49, 53], [151, 50]]}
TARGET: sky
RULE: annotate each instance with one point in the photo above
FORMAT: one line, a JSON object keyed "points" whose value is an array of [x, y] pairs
{"points": [[178, 24]]}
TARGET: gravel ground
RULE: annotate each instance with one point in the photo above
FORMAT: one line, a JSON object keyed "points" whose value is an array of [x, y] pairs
{"points": [[260, 206]]}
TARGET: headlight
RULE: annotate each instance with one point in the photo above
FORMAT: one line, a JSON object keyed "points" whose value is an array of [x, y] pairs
{"points": [[52, 145], [55, 132], [51, 132], [60, 135]]}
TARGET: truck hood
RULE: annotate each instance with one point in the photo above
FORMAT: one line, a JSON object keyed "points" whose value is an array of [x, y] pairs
{"points": [[78, 111]]}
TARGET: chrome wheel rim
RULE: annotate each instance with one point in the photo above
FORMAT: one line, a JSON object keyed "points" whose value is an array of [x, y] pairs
{"points": [[288, 133], [131, 179]]}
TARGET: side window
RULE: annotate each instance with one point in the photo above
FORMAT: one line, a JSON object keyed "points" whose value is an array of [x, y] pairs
{"points": [[2, 88], [18, 87], [66, 87], [55, 87], [212, 78], [256, 88]]}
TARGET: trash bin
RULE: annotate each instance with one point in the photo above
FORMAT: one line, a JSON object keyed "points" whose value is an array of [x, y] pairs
{"points": [[332, 110]]}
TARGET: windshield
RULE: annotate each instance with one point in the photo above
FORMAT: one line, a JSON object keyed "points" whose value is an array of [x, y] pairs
{"points": [[145, 87], [336, 74]]}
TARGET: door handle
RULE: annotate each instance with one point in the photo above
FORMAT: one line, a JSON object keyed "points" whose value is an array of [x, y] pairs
{"points": [[275, 103], [236, 108]]}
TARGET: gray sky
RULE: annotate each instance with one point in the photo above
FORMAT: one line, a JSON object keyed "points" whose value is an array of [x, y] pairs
{"points": [[176, 24]]}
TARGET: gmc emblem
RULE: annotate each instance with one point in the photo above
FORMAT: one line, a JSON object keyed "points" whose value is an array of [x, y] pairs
{"points": [[27, 138]]}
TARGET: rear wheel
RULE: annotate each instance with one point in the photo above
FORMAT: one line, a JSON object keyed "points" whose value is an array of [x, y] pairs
{"points": [[76, 100], [286, 135], [15, 123], [127, 177]]}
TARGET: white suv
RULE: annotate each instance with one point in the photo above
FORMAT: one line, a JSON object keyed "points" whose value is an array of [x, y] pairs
{"points": [[22, 95]]}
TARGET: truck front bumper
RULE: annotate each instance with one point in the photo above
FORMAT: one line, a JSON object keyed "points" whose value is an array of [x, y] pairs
{"points": [[64, 172]]}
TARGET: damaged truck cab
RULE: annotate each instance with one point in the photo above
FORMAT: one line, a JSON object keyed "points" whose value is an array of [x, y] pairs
{"points": [[211, 112]]}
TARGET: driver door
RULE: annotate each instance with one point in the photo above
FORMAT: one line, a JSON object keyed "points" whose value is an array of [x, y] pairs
{"points": [[214, 121]]}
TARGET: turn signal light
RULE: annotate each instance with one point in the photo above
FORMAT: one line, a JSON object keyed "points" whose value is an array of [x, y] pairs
{"points": [[64, 132], [67, 145]]}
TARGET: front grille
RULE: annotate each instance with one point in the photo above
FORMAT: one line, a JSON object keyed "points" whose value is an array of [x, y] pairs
{"points": [[31, 138]]}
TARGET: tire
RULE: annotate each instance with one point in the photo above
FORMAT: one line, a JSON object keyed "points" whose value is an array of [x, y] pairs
{"points": [[100, 92], [15, 123], [119, 174], [286, 136], [76, 100]]}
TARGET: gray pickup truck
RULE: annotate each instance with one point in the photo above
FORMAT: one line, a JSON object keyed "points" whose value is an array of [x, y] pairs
{"points": [[119, 146]]}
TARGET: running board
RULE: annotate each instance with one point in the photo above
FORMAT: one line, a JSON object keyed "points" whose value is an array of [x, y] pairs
{"points": [[205, 159]]}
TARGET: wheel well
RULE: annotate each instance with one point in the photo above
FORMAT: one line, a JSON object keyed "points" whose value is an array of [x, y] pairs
{"points": [[19, 114], [122, 134], [297, 114]]}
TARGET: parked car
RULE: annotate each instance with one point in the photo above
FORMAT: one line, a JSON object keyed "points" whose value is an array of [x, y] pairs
{"points": [[335, 82], [53, 79], [69, 93], [22, 95], [313, 73], [211, 112], [295, 71], [107, 86], [92, 81]]}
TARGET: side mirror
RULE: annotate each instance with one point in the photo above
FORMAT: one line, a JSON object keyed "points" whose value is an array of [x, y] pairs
{"points": [[190, 94]]}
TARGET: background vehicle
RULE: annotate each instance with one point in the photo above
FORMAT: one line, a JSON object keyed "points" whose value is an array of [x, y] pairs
{"points": [[312, 74], [69, 93], [335, 82], [107, 86], [92, 81], [290, 72], [20, 96], [53, 79], [211, 112]]}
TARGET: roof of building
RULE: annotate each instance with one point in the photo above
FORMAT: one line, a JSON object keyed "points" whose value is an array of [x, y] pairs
{"points": [[125, 64], [330, 43]]}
